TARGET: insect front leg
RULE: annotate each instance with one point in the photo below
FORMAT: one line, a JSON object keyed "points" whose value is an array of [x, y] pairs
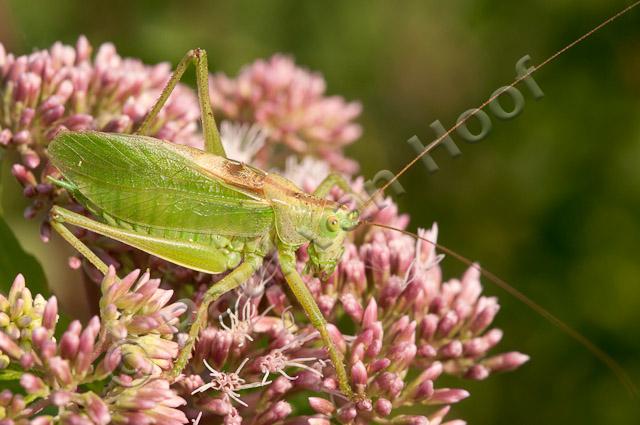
{"points": [[212, 142], [287, 260], [237, 277], [333, 179]]}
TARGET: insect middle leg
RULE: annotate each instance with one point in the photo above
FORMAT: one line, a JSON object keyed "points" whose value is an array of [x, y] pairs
{"points": [[212, 142], [304, 296], [237, 277]]}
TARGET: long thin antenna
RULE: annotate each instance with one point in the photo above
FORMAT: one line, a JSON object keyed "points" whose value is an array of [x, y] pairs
{"points": [[607, 360], [497, 94]]}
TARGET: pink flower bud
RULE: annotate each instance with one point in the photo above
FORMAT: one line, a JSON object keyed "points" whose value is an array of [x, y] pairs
{"points": [[60, 369], [118, 125], [74, 262], [5, 397], [24, 176], [484, 318], [425, 390], [27, 117], [112, 359], [79, 122], [69, 343], [439, 415], [411, 420], [218, 406], [359, 374], [97, 410], [448, 396], [354, 271], [401, 355], [351, 306], [477, 373], [83, 49], [399, 325], [322, 405], [9, 347], [279, 386], [383, 407], [347, 414], [279, 411], [447, 324], [22, 137], [451, 350], [31, 383], [50, 315], [18, 404], [506, 362], [28, 88], [370, 314], [52, 114], [337, 337], [42, 420], [428, 326], [364, 405], [27, 361], [378, 365], [390, 384], [5, 137]]}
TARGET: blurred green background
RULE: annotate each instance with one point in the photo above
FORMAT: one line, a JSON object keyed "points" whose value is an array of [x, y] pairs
{"points": [[550, 200]]}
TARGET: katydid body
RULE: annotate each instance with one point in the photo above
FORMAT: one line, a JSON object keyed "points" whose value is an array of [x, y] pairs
{"points": [[203, 211], [199, 209]]}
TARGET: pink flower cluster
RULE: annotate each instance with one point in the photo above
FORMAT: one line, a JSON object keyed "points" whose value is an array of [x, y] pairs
{"points": [[289, 103], [63, 88], [128, 346], [399, 325]]}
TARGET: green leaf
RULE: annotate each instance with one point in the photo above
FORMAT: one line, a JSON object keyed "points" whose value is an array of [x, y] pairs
{"points": [[10, 375], [14, 260]]}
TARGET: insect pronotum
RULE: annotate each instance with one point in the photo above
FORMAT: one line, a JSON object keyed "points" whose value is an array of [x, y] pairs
{"points": [[201, 210]]}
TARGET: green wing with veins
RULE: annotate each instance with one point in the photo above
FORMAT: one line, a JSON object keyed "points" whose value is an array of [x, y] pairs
{"points": [[141, 181]]}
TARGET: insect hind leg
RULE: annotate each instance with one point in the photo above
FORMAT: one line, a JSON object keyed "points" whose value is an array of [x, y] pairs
{"points": [[237, 277], [57, 216], [212, 141]]}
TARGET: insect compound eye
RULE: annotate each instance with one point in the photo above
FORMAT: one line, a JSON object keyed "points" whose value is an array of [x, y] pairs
{"points": [[333, 224]]}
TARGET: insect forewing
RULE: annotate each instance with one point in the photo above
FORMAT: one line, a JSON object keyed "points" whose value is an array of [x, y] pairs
{"points": [[144, 182]]}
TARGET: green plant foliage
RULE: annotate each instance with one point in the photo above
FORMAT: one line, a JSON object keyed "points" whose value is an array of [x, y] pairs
{"points": [[14, 260]]}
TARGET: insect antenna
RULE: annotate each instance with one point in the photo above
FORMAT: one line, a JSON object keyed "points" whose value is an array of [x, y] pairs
{"points": [[600, 354], [497, 94]]}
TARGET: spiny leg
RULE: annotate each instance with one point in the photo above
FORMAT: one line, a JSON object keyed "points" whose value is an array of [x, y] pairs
{"points": [[57, 221], [333, 179], [212, 142], [299, 288], [241, 274], [237, 277]]}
